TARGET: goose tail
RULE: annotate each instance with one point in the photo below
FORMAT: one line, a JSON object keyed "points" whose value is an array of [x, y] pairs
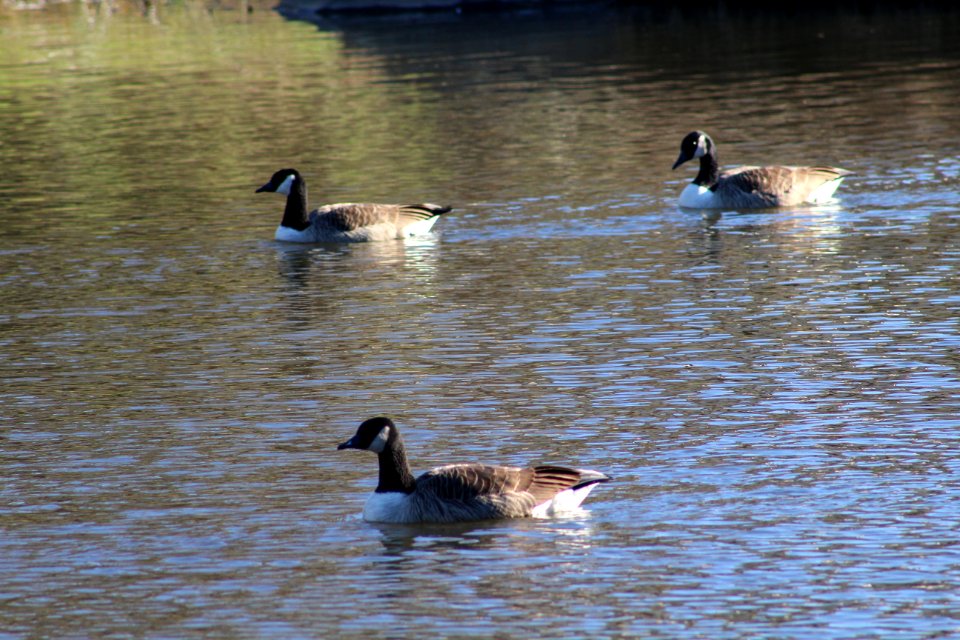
{"points": [[589, 478], [568, 501], [425, 211]]}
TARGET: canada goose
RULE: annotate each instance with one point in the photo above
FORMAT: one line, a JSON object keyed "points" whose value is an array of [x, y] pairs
{"points": [[751, 187], [346, 222], [463, 492]]}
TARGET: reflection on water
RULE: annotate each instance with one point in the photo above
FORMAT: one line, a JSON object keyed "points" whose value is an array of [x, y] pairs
{"points": [[773, 392]]}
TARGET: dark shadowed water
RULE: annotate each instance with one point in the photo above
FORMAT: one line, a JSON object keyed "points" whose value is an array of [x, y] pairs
{"points": [[775, 393]]}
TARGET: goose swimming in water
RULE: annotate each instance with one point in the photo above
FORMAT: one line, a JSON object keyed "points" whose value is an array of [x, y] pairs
{"points": [[346, 222], [751, 187], [463, 492]]}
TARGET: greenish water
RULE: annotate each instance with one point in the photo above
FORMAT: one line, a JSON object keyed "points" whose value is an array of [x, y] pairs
{"points": [[774, 393]]}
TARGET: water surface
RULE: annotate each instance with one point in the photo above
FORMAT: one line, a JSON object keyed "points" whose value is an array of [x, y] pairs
{"points": [[774, 392]]}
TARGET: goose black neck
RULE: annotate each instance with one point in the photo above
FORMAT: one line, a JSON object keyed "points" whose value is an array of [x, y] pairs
{"points": [[295, 213], [709, 172], [395, 472]]}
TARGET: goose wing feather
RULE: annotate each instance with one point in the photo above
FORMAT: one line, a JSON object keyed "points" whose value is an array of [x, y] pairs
{"points": [[476, 490], [548, 481], [469, 481], [757, 186], [425, 211], [774, 185], [348, 216], [472, 492]]}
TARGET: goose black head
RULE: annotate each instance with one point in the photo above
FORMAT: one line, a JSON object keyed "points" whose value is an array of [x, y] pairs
{"points": [[695, 144], [373, 435], [281, 182]]}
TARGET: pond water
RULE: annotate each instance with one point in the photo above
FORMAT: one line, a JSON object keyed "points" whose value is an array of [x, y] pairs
{"points": [[775, 393]]}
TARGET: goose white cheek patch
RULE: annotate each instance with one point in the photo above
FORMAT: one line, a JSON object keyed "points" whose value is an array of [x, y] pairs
{"points": [[380, 442], [284, 187], [701, 148]]}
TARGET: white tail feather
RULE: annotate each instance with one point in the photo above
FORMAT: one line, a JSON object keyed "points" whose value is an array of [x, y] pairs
{"points": [[565, 502], [824, 192]]}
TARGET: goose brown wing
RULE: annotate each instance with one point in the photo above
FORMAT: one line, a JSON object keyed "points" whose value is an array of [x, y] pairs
{"points": [[349, 216], [548, 481], [465, 482], [768, 183], [775, 185]]}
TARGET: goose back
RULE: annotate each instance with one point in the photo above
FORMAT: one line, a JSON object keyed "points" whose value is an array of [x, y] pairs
{"points": [[777, 186], [364, 222], [462, 492], [350, 216]]}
